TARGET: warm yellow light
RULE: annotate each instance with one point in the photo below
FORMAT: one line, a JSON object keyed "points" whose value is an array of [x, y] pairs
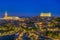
{"points": [[45, 14]]}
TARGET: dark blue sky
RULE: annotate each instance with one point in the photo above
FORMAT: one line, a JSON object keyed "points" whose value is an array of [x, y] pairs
{"points": [[29, 7]]}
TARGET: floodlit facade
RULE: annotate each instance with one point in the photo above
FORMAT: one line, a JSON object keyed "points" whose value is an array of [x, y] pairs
{"points": [[45, 14], [6, 17]]}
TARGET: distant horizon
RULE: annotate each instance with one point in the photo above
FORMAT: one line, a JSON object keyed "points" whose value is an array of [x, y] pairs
{"points": [[26, 16], [29, 7]]}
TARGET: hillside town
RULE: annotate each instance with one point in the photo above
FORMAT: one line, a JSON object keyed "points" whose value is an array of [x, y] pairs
{"points": [[41, 27]]}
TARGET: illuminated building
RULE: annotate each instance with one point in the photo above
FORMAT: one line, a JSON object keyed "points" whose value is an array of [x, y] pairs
{"points": [[6, 17], [45, 14], [6, 14]]}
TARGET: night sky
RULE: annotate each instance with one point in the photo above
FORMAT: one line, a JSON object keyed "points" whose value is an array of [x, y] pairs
{"points": [[29, 7]]}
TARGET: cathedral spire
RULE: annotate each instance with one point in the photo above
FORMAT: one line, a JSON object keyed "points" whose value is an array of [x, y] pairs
{"points": [[6, 14]]}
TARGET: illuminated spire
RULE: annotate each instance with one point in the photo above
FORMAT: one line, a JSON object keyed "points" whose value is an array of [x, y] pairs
{"points": [[6, 14]]}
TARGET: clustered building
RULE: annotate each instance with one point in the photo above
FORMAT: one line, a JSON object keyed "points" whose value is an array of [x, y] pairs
{"points": [[44, 22], [6, 17]]}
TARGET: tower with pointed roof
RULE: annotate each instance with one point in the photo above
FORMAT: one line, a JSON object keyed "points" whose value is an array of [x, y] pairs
{"points": [[6, 14]]}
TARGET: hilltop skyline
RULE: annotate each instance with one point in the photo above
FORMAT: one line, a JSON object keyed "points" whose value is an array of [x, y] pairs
{"points": [[29, 7]]}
